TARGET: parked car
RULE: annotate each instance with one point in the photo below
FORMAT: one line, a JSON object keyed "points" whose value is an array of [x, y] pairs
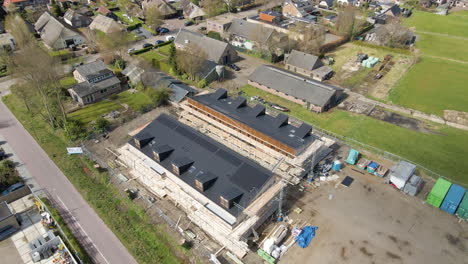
{"points": [[148, 45], [279, 107], [13, 188], [202, 28], [158, 42], [162, 30], [131, 50], [170, 38], [188, 23], [181, 17], [378, 76], [234, 67]]}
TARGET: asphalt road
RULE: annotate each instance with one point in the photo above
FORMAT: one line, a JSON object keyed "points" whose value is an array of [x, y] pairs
{"points": [[103, 246]]}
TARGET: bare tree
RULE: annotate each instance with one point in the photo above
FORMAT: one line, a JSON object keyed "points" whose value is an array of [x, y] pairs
{"points": [[347, 24], [395, 35], [313, 38], [191, 60], [153, 17], [18, 28]]}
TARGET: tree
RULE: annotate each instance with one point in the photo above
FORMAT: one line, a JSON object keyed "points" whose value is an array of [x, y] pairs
{"points": [[76, 130], [56, 10], [313, 38], [395, 35], [18, 28], [191, 60], [213, 7], [153, 16], [173, 59], [159, 96]]}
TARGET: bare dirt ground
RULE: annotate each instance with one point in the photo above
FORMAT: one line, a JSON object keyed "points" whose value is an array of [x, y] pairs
{"points": [[371, 222]]}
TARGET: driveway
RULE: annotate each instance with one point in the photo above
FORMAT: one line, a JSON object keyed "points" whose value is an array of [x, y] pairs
{"points": [[99, 241]]}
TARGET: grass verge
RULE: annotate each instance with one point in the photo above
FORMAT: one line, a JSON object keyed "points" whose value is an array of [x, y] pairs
{"points": [[148, 243], [440, 152]]}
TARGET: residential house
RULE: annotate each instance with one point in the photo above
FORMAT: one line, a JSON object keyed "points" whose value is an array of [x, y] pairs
{"points": [[298, 8], [326, 3], [216, 187], [85, 11], [166, 10], [393, 11], [219, 24], [270, 16], [105, 24], [106, 12], [311, 94], [217, 51], [255, 36], [24, 3], [95, 82], [7, 42], [56, 34], [75, 19], [191, 10], [308, 65]]}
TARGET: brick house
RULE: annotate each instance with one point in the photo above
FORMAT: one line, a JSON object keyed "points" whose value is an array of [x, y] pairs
{"points": [[308, 65]]}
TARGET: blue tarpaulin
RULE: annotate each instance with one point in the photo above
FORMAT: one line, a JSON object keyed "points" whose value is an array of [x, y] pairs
{"points": [[308, 232]]}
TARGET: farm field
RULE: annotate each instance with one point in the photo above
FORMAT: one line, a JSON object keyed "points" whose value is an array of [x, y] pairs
{"points": [[440, 151], [438, 81]]}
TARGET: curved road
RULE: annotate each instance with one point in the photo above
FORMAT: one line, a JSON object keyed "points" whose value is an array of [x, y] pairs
{"points": [[102, 245]]}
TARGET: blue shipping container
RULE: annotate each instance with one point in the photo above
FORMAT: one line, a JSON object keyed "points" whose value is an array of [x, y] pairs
{"points": [[453, 199]]}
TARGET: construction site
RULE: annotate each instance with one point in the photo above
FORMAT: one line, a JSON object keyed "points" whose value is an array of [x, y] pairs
{"points": [[238, 183]]}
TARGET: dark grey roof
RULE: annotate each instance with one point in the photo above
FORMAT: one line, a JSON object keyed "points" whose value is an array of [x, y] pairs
{"points": [[395, 10], [323, 71], [276, 128], [4, 211], [304, 60], [250, 31], [213, 48], [73, 16], [52, 29], [93, 69], [206, 158], [311, 91], [85, 88]]}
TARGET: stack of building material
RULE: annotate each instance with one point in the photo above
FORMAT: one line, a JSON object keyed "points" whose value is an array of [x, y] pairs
{"points": [[372, 167], [401, 173], [362, 164], [370, 62], [438, 192], [453, 198], [413, 186], [381, 171]]}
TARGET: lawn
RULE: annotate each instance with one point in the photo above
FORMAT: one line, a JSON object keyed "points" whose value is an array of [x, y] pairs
{"points": [[456, 23], [67, 81], [147, 242], [165, 49], [94, 111], [443, 153], [152, 54], [433, 85]]}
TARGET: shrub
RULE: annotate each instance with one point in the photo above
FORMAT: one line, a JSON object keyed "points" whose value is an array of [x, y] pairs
{"points": [[214, 35], [101, 125], [75, 130], [202, 84]]}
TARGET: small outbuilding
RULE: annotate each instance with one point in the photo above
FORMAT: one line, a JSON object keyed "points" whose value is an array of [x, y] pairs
{"points": [[400, 174]]}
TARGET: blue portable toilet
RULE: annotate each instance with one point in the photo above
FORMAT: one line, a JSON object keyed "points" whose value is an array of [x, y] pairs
{"points": [[453, 198], [337, 165]]}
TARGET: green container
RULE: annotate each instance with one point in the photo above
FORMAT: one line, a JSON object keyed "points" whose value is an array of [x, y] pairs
{"points": [[462, 211], [438, 192]]}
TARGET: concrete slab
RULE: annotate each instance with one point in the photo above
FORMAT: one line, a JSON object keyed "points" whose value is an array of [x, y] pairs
{"points": [[8, 253]]}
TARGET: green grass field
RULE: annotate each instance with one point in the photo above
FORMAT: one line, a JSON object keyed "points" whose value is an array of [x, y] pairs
{"points": [[441, 46], [433, 85], [134, 100], [443, 153], [456, 23]]}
